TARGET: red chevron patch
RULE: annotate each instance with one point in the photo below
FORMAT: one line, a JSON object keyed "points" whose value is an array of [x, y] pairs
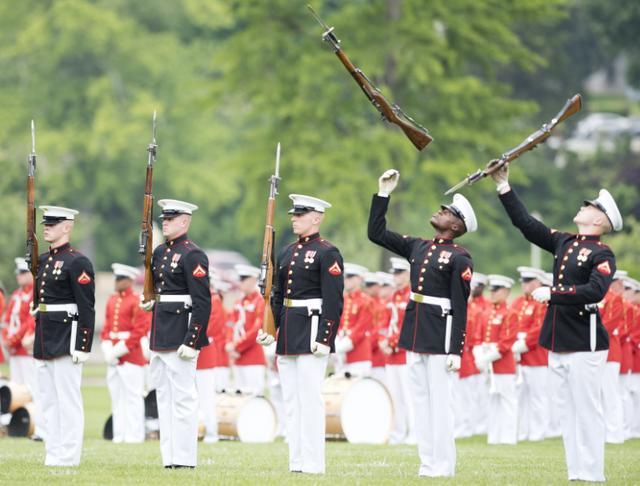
{"points": [[84, 278], [199, 271], [335, 269], [604, 268], [467, 274]]}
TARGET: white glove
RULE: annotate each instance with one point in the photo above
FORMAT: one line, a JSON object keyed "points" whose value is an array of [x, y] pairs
{"points": [[107, 352], [541, 294], [388, 182], [491, 353], [33, 310], [344, 345], [477, 352], [120, 349], [186, 353], [320, 350], [501, 178], [519, 347], [453, 362], [146, 306], [264, 338], [79, 357], [144, 346]]}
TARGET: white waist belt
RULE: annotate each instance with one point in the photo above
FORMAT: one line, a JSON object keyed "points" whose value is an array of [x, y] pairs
{"points": [[68, 308], [311, 304], [120, 335], [185, 299], [427, 299]]}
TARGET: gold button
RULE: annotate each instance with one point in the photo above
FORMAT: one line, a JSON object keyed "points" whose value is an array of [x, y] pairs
{"points": [[160, 275], [430, 253], [64, 320], [565, 259], [299, 246], [50, 258], [561, 267], [419, 287], [178, 311], [41, 299], [575, 243], [293, 263], [191, 343], [423, 270], [164, 258], [421, 279], [44, 274], [42, 291], [295, 254], [288, 291], [290, 281], [433, 247], [570, 250], [290, 272], [162, 266], [581, 313], [426, 261]]}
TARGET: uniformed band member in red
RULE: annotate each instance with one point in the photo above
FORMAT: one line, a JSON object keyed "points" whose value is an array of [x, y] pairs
{"points": [[403, 431], [526, 316], [249, 365], [613, 316], [353, 342], [221, 333], [572, 330], [65, 319], [307, 305], [628, 352], [124, 326], [493, 356], [471, 395], [433, 329], [18, 335], [632, 295], [372, 285], [178, 330]]}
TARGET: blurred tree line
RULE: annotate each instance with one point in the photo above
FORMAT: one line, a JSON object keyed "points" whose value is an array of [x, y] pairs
{"points": [[231, 78]]}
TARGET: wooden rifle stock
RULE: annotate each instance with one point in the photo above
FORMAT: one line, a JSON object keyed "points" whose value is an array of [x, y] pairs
{"points": [[146, 228], [267, 260], [32, 239]]}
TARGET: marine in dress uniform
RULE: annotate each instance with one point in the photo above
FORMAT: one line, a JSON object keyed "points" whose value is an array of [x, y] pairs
{"points": [[222, 333], [572, 330], [18, 337], [634, 376], [627, 349], [307, 305], [471, 395], [497, 335], [249, 366], [65, 319], [178, 330], [354, 338], [205, 366], [434, 324], [612, 312], [124, 326], [526, 316], [403, 431], [372, 284]]}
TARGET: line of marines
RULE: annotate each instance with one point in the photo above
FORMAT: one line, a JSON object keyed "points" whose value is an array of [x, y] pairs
{"points": [[564, 355]]}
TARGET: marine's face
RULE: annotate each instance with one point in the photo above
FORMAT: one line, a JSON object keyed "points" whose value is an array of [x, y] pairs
{"points": [[174, 227], [352, 282], [444, 220], [306, 223], [24, 278], [53, 232], [588, 215], [499, 295], [122, 283]]}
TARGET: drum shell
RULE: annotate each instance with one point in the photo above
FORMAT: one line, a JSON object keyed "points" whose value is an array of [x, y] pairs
{"points": [[13, 396], [23, 423], [229, 406]]}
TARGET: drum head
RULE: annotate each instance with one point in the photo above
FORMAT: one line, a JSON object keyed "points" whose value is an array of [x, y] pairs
{"points": [[367, 412], [257, 421]]}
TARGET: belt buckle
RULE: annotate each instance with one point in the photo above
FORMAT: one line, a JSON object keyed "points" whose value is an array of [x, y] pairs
{"points": [[42, 307]]}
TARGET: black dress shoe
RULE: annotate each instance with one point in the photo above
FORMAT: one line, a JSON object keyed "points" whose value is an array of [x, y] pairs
{"points": [[168, 467], [178, 466]]}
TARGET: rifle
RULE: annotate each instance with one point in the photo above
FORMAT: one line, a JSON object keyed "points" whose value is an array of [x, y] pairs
{"points": [[391, 113], [571, 107], [267, 264], [32, 239], [146, 230]]}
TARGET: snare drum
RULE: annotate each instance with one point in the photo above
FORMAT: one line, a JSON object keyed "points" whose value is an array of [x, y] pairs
{"points": [[249, 418], [357, 409]]}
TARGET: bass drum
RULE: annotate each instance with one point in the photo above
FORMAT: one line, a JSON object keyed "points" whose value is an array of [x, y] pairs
{"points": [[358, 409], [249, 418], [13, 396], [23, 421]]}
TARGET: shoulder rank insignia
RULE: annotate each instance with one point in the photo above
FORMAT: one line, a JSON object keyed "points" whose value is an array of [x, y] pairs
{"points": [[604, 268], [467, 274], [84, 278], [199, 271], [335, 269]]}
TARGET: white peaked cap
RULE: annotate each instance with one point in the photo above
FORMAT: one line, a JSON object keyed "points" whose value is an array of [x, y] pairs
{"points": [[386, 279], [246, 270], [175, 207], [620, 274], [608, 206], [399, 264], [218, 284], [461, 207], [478, 279], [21, 265], [121, 270], [370, 278], [303, 204], [531, 272], [547, 280], [53, 213], [500, 281], [355, 269]]}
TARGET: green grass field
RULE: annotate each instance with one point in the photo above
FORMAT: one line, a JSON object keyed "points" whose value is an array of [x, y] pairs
{"points": [[229, 463]]}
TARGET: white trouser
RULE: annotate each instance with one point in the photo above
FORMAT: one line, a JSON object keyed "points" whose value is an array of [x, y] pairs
{"points": [[275, 395], [61, 402], [583, 429], [301, 378], [533, 403], [612, 403], [627, 403], [480, 412], [250, 378], [634, 388], [503, 411], [358, 368], [126, 387], [404, 416], [222, 378], [206, 384], [21, 370], [431, 393], [379, 373], [463, 405], [557, 407], [175, 382]]}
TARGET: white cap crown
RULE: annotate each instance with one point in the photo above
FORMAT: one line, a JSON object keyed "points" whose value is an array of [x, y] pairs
{"points": [[462, 208], [500, 281], [120, 270], [21, 265], [246, 270], [399, 264], [355, 269], [608, 206], [303, 204], [173, 207], [55, 214], [531, 272]]}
